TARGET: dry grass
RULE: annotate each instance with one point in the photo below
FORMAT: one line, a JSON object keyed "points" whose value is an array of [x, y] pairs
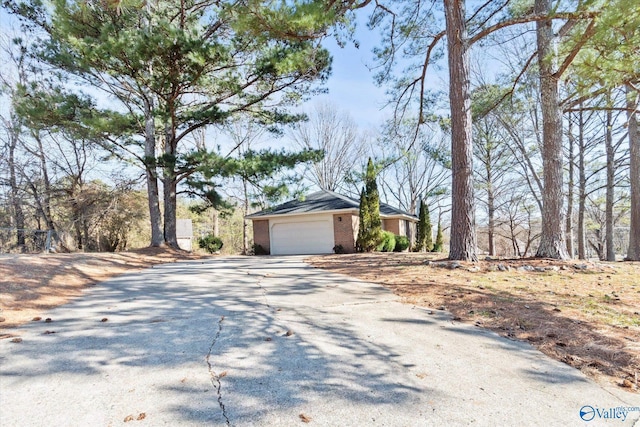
{"points": [[30, 284], [584, 314]]}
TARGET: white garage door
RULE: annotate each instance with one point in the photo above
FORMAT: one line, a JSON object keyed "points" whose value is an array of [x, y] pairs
{"points": [[308, 237]]}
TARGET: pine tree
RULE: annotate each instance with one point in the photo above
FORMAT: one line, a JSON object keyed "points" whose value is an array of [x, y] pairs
{"points": [[182, 67], [363, 215], [423, 240], [370, 229], [439, 245], [428, 241], [374, 203]]}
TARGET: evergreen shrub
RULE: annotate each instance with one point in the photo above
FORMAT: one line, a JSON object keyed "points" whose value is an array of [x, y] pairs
{"points": [[402, 243], [210, 243], [388, 243]]}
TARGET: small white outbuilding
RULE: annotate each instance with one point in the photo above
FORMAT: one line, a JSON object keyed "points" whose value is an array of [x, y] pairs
{"points": [[184, 233]]}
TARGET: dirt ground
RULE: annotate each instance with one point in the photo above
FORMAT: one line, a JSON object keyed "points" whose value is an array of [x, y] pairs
{"points": [[584, 314], [30, 284]]}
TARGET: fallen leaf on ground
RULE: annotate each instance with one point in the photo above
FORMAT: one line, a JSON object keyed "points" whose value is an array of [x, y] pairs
{"points": [[17, 340], [305, 418], [626, 384], [142, 416], [128, 418]]}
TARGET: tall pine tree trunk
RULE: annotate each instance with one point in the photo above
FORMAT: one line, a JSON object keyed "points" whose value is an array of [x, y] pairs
{"points": [[633, 253], [245, 221], [46, 199], [569, 219], [610, 249], [14, 195], [463, 234], [492, 232], [582, 187], [491, 207], [170, 185], [155, 216], [552, 242], [216, 222]]}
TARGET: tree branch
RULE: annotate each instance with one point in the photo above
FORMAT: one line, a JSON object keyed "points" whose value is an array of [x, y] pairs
{"points": [[590, 30], [529, 18], [425, 65]]}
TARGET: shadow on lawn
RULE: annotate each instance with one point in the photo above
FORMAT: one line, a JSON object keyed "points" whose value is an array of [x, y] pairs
{"points": [[592, 346]]}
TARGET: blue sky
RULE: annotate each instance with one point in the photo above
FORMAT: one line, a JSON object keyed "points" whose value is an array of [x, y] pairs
{"points": [[351, 86]]}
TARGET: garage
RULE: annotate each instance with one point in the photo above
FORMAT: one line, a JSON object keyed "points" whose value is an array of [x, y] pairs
{"points": [[303, 237], [316, 224]]}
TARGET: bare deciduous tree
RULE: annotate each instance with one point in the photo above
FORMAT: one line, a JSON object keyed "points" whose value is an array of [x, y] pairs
{"points": [[418, 165], [336, 134]]}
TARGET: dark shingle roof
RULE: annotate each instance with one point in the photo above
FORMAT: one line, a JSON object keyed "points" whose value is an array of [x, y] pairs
{"points": [[321, 201]]}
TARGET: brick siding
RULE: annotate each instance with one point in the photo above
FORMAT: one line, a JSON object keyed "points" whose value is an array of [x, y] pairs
{"points": [[392, 225], [345, 231], [261, 234]]}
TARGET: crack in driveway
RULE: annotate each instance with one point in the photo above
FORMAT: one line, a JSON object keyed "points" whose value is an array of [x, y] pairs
{"points": [[215, 378], [348, 304], [262, 288]]}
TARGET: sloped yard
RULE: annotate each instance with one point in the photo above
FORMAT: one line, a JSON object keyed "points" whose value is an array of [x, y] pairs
{"points": [[30, 284], [586, 314]]}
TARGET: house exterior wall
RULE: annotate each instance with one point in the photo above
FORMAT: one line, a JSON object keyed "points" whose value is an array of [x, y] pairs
{"points": [[411, 231], [345, 228], [345, 231], [401, 227], [392, 225], [261, 234]]}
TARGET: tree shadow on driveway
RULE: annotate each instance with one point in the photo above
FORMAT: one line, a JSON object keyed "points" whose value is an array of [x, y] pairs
{"points": [[221, 341]]}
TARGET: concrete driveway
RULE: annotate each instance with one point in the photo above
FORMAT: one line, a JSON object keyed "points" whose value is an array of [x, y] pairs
{"points": [[267, 341]]}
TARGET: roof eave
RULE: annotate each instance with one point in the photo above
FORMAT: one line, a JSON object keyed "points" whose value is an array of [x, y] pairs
{"points": [[332, 211], [280, 215]]}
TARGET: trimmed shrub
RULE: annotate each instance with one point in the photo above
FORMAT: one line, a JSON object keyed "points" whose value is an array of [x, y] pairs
{"points": [[370, 229], [424, 240], [402, 243], [339, 249], [439, 245], [388, 243], [210, 243], [259, 250]]}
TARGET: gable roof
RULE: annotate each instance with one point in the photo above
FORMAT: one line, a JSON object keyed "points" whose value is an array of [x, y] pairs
{"points": [[324, 201]]}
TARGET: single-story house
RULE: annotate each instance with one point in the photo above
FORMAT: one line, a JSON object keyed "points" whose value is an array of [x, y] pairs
{"points": [[319, 222]]}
